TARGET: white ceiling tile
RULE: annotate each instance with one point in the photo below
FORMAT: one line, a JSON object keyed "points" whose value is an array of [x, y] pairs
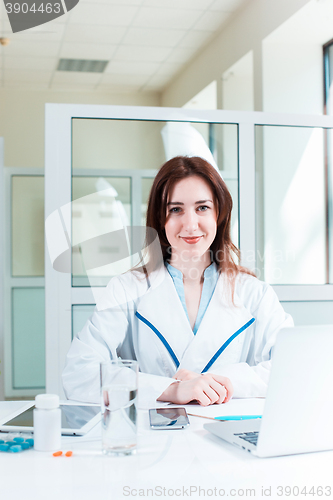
{"points": [[99, 13], [25, 86], [66, 87], [211, 21], [71, 77], [153, 37], [133, 68], [59, 20], [194, 39], [94, 34], [32, 63], [114, 2], [180, 55], [99, 52], [20, 75], [226, 5], [123, 79], [45, 33], [179, 4], [50, 26], [32, 48], [144, 54], [156, 38], [149, 17]]}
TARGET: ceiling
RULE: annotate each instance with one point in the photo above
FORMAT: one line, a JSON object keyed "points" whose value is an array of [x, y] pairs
{"points": [[147, 42]]}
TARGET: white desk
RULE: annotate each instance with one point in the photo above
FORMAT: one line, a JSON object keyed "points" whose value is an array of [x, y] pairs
{"points": [[165, 459]]}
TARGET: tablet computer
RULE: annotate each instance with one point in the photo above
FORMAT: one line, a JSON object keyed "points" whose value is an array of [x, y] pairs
{"points": [[76, 419]]}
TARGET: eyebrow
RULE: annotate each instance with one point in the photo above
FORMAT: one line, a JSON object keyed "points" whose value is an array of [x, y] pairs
{"points": [[180, 203]]}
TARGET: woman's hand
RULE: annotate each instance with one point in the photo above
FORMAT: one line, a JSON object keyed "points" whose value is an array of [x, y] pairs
{"points": [[183, 375], [206, 389]]}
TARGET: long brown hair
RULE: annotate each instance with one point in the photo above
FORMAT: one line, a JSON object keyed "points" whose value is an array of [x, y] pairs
{"points": [[223, 251]]}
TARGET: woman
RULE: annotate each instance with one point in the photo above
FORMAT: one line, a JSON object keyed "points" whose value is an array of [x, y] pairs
{"points": [[201, 327]]}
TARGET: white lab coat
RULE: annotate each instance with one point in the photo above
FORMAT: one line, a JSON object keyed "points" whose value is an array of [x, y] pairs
{"points": [[148, 323]]}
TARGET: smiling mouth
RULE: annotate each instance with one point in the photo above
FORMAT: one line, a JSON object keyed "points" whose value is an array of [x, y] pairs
{"points": [[191, 240]]}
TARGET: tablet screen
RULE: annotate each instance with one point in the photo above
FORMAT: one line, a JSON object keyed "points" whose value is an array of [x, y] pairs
{"points": [[72, 417]]}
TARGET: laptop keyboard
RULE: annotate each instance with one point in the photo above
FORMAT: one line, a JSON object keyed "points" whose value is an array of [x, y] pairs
{"points": [[250, 437]]}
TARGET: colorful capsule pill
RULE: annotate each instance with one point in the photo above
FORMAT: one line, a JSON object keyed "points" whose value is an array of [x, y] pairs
{"points": [[18, 440], [16, 448]]}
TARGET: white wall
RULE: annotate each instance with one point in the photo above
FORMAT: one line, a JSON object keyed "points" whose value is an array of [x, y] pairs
{"points": [[22, 119], [293, 60], [293, 77], [237, 85], [244, 32]]}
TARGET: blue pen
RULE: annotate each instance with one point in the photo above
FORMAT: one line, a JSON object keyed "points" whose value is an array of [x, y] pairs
{"points": [[238, 417]]}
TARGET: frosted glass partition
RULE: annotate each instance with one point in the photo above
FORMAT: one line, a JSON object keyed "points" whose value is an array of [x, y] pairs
{"points": [[27, 205], [146, 187], [100, 205], [113, 166], [291, 206], [146, 144], [233, 188], [117, 144], [28, 338], [80, 314]]}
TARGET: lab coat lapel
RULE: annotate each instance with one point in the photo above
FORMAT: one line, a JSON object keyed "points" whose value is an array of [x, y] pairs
{"points": [[162, 311], [220, 337]]}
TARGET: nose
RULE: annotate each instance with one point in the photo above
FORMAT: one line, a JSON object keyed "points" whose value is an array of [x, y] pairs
{"points": [[190, 221]]}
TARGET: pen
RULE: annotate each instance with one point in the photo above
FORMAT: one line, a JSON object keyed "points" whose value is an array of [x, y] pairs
{"points": [[237, 417]]}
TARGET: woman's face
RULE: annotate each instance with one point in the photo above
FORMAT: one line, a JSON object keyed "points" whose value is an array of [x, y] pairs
{"points": [[191, 218]]}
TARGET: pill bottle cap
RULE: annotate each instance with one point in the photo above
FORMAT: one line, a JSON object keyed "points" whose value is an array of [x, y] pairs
{"points": [[47, 401]]}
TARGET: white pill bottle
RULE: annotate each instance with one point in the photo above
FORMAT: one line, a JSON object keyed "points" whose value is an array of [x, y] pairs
{"points": [[47, 423]]}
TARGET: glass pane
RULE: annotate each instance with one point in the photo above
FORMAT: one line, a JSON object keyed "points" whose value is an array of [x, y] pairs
{"points": [[224, 144], [233, 188], [27, 225], [291, 215], [329, 78], [80, 314], [134, 146], [146, 187], [28, 355], [100, 206], [310, 313], [140, 144], [117, 144]]}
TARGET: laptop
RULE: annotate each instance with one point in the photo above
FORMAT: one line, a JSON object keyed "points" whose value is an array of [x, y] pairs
{"points": [[298, 412]]}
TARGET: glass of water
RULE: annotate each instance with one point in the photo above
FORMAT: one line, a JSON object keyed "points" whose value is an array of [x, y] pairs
{"points": [[119, 386]]}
